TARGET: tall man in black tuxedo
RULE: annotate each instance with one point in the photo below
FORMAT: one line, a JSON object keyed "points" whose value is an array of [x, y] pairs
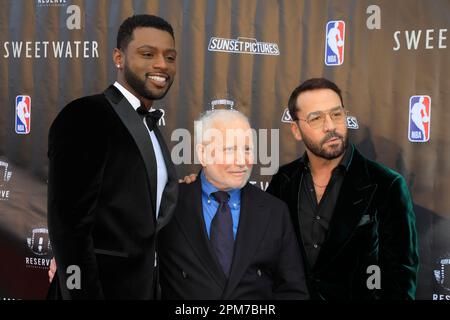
{"points": [[229, 239], [112, 185], [353, 217]]}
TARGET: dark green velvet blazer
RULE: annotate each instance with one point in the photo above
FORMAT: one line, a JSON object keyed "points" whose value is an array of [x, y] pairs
{"points": [[373, 224]]}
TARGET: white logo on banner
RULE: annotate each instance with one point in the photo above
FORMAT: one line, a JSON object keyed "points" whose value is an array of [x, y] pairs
{"points": [[352, 122], [243, 45], [442, 277], [51, 3], [57, 49], [428, 39], [229, 104], [39, 244], [5, 176], [286, 117], [50, 49]]}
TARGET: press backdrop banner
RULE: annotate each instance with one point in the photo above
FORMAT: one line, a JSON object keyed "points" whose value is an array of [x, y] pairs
{"points": [[391, 58]]}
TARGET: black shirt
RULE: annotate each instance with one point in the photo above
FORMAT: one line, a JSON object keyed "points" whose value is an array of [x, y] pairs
{"points": [[315, 217]]}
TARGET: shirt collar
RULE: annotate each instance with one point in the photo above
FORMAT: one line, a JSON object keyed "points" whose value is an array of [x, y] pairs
{"points": [[208, 188], [132, 99], [128, 95], [344, 163]]}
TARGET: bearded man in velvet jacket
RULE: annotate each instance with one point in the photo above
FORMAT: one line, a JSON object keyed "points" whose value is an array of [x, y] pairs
{"points": [[353, 217]]}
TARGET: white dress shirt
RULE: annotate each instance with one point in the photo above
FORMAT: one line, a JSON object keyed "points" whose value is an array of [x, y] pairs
{"points": [[160, 164]]}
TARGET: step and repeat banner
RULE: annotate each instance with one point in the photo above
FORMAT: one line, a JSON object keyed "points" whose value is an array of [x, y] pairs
{"points": [[390, 58]]}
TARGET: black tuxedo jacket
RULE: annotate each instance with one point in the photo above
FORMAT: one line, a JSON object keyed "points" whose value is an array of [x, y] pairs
{"points": [[373, 224], [102, 199], [266, 263]]}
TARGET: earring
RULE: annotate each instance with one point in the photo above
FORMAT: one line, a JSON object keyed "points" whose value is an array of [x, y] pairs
{"points": [[118, 65]]}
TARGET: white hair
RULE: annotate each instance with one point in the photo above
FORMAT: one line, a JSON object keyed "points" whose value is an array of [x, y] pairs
{"points": [[209, 119]]}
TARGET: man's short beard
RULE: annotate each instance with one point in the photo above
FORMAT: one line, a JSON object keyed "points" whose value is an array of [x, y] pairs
{"points": [[138, 85], [319, 151]]}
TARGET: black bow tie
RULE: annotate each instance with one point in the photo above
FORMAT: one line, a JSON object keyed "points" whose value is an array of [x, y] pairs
{"points": [[151, 117]]}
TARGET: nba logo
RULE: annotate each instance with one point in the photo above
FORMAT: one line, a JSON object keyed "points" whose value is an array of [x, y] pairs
{"points": [[334, 43], [419, 118], [23, 114]]}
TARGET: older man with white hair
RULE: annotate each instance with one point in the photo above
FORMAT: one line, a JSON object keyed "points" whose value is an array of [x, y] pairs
{"points": [[228, 239]]}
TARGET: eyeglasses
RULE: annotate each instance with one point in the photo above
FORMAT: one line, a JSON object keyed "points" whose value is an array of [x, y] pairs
{"points": [[317, 119]]}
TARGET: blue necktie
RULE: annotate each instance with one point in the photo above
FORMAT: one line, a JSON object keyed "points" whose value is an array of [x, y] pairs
{"points": [[221, 235]]}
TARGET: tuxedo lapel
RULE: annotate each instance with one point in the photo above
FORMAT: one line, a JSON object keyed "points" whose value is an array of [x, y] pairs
{"points": [[139, 132], [253, 221], [190, 219], [354, 199], [170, 193]]}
